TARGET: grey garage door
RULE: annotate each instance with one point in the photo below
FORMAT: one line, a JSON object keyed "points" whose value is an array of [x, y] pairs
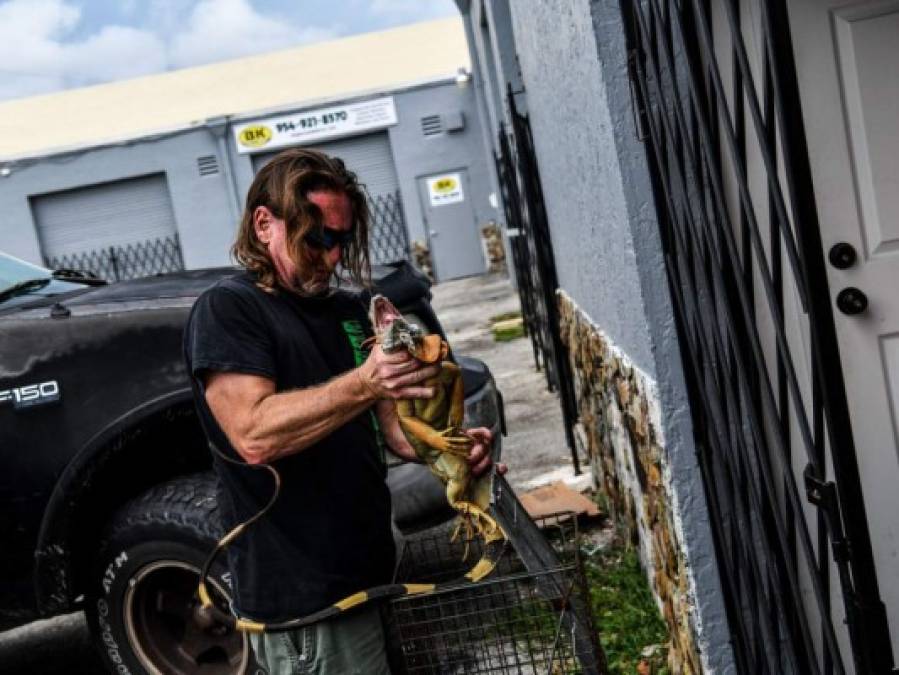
{"points": [[370, 158], [118, 230]]}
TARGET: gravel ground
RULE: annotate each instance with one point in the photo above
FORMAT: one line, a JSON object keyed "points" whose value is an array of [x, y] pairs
{"points": [[535, 451]]}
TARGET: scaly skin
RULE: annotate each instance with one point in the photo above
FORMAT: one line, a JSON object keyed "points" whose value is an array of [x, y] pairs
{"points": [[433, 428]]}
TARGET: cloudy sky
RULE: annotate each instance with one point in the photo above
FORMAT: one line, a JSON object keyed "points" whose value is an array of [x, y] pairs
{"points": [[48, 45]]}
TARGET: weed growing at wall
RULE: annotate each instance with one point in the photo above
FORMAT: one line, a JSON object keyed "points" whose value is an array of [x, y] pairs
{"points": [[631, 630]]}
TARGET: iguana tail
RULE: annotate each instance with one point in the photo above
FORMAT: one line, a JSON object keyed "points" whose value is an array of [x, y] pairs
{"points": [[475, 521]]}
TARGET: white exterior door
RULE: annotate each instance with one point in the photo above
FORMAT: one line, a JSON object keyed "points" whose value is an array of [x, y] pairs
{"points": [[847, 60], [453, 237]]}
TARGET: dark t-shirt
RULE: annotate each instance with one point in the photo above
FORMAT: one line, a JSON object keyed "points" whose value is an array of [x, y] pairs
{"points": [[328, 535]]}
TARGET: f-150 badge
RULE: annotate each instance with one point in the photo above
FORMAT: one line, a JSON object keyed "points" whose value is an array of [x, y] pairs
{"points": [[31, 395]]}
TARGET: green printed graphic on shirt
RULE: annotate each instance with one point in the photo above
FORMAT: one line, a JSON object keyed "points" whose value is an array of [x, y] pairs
{"points": [[353, 330]]}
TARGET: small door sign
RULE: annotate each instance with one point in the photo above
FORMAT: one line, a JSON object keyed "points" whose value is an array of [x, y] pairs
{"points": [[445, 189]]}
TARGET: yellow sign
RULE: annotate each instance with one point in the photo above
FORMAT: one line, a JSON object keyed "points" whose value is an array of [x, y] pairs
{"points": [[445, 185], [255, 136], [445, 189]]}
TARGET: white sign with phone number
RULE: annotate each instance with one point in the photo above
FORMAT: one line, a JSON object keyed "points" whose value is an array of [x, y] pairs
{"points": [[313, 125]]}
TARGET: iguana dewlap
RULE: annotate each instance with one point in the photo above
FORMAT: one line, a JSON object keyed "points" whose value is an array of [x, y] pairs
{"points": [[433, 427]]}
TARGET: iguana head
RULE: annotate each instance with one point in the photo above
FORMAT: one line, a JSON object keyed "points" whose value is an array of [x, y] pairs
{"points": [[393, 332]]}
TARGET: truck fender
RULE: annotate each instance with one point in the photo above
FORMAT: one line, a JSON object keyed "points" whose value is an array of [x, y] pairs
{"points": [[54, 565]]}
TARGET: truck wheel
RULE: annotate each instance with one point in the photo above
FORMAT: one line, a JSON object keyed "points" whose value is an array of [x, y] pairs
{"points": [[143, 608]]}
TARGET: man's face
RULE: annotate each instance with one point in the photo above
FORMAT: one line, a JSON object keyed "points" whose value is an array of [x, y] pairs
{"points": [[337, 214]]}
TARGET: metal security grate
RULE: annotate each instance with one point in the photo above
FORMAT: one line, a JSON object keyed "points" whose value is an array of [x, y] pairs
{"points": [[388, 239], [431, 125], [720, 113], [532, 256], [115, 263], [208, 165]]}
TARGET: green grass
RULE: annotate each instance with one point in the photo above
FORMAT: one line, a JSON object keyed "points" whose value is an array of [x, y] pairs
{"points": [[508, 333], [505, 316], [625, 612]]}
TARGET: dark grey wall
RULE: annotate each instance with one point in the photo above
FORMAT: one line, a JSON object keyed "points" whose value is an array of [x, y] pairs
{"points": [[207, 208], [575, 141]]}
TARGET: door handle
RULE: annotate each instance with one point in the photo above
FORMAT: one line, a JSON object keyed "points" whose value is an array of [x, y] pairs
{"points": [[434, 233], [852, 301], [842, 255]]}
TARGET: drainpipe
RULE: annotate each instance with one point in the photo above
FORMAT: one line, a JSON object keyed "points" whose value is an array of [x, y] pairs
{"points": [[219, 126]]}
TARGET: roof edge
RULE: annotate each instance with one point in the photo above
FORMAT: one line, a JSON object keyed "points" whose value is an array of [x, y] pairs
{"points": [[229, 118]]}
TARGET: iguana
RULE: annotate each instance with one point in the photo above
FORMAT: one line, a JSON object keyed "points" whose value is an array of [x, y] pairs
{"points": [[433, 427]]}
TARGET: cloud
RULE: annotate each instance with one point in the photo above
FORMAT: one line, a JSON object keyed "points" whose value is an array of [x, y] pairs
{"points": [[415, 10], [21, 20], [115, 53], [223, 29], [39, 55], [29, 51], [38, 58]]}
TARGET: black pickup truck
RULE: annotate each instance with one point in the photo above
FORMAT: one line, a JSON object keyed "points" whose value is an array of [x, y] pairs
{"points": [[107, 500]]}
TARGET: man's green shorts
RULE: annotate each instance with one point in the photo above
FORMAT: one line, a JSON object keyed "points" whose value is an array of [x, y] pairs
{"points": [[349, 644]]}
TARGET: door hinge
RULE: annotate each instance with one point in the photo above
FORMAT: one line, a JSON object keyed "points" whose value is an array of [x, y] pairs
{"points": [[823, 494]]}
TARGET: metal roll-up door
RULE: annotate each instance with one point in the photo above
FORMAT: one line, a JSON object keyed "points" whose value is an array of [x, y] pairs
{"points": [[369, 157], [118, 230]]}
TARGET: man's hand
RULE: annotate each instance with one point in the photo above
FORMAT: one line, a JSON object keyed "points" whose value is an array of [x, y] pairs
{"points": [[479, 457], [395, 376]]}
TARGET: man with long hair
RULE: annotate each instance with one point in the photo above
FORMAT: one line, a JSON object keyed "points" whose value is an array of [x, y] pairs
{"points": [[279, 378]]}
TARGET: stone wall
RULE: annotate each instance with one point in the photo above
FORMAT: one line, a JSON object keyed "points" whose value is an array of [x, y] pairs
{"points": [[494, 251], [621, 433]]}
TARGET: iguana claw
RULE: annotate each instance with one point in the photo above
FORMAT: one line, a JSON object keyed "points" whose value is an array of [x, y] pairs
{"points": [[455, 444]]}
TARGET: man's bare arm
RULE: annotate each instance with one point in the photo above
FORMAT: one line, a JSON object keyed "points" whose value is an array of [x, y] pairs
{"points": [[264, 425]]}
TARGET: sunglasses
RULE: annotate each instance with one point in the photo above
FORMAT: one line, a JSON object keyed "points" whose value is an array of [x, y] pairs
{"points": [[325, 238]]}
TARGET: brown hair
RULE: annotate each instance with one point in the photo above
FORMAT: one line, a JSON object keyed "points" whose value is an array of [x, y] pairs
{"points": [[282, 185]]}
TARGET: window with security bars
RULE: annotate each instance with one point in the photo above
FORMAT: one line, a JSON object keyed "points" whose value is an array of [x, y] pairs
{"points": [[130, 261], [387, 236], [716, 102]]}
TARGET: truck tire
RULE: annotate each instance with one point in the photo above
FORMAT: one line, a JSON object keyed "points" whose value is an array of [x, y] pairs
{"points": [[143, 607]]}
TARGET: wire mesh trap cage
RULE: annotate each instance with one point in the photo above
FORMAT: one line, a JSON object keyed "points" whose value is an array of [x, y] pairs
{"points": [[517, 620]]}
